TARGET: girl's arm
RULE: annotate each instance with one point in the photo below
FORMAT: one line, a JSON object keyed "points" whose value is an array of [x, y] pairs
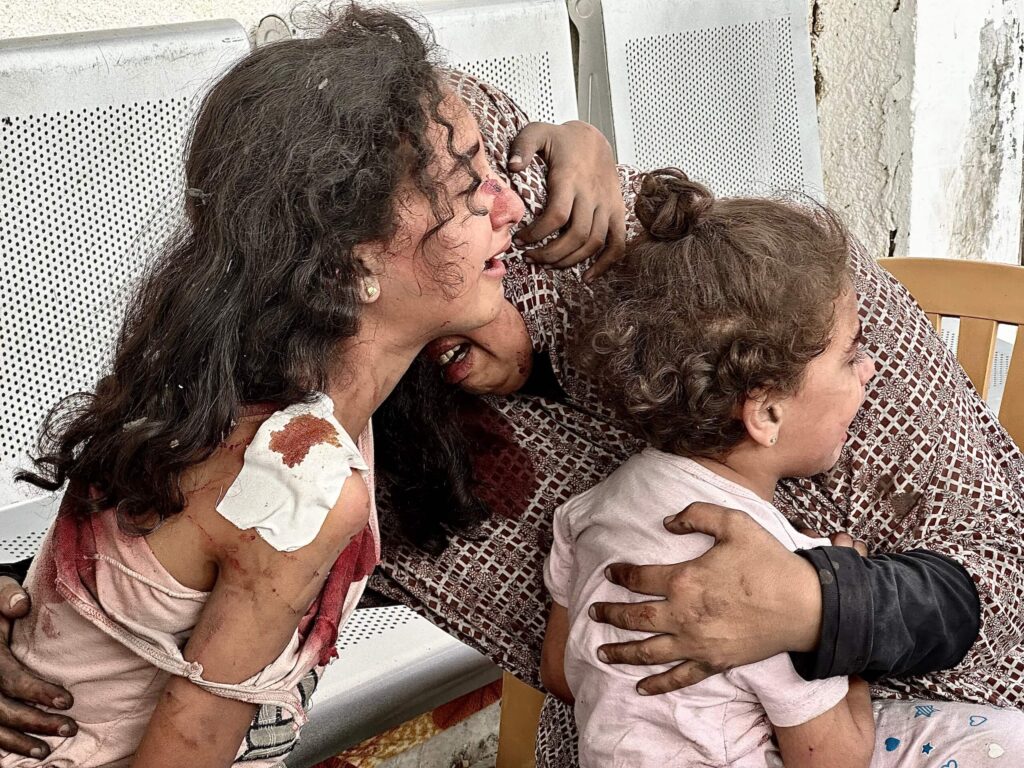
{"points": [[842, 737], [552, 656], [255, 607]]}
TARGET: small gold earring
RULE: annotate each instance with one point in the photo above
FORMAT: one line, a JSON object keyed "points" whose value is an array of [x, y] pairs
{"points": [[371, 288]]}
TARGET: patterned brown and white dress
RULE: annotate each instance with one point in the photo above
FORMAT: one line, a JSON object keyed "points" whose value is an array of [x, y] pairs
{"points": [[927, 466]]}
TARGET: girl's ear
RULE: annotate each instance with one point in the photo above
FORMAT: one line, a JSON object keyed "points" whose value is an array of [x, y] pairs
{"points": [[371, 256], [762, 415]]}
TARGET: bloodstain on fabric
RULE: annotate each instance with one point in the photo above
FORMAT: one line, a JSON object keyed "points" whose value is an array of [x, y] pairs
{"points": [[505, 473], [299, 435], [454, 712], [46, 624], [318, 629]]}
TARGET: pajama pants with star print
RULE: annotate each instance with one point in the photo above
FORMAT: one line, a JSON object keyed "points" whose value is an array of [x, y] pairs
{"points": [[943, 734]]}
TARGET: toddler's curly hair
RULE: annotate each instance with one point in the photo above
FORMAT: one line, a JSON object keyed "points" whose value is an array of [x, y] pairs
{"points": [[715, 301]]}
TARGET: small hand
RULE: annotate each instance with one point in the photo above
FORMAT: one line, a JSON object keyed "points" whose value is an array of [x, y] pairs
{"points": [[584, 198], [840, 539], [744, 600], [20, 689]]}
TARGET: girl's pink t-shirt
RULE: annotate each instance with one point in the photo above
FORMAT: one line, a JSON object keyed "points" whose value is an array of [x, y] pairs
{"points": [[109, 623]]}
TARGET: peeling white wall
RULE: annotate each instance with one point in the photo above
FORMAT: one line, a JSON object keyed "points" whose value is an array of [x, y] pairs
{"points": [[920, 130], [864, 61], [966, 197]]}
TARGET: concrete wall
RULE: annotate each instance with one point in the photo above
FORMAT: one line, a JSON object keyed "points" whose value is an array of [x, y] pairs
{"points": [[968, 131], [920, 131], [864, 61]]}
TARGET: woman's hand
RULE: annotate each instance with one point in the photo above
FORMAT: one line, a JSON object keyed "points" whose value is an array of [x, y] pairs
{"points": [[20, 690], [584, 198], [744, 600]]}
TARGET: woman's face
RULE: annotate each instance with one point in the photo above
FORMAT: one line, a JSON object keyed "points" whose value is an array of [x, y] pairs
{"points": [[495, 359], [450, 281]]}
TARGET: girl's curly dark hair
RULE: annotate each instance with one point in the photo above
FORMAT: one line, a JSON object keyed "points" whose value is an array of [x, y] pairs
{"points": [[715, 300], [296, 157]]}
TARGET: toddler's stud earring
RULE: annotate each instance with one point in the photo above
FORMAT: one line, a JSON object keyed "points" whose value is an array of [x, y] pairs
{"points": [[774, 440]]}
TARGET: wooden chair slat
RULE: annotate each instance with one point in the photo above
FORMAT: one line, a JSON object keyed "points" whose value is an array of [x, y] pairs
{"points": [[520, 713], [935, 320], [982, 295], [976, 350], [959, 287], [1011, 412]]}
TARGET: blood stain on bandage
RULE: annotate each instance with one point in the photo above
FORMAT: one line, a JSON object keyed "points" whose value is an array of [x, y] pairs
{"points": [[299, 435]]}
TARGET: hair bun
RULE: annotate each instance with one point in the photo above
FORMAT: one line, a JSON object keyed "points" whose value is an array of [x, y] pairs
{"points": [[669, 205]]}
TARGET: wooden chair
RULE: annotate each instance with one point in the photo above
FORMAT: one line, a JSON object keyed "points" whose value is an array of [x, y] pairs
{"points": [[520, 714], [983, 295]]}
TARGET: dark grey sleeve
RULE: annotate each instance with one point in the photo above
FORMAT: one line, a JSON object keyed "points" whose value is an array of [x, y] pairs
{"points": [[904, 614], [16, 571]]}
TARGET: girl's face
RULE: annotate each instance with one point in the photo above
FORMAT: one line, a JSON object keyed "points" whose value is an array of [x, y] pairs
{"points": [[495, 359], [815, 420], [450, 281]]}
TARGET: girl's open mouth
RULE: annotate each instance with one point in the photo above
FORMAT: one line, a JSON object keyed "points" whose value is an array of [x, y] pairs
{"points": [[495, 266]]}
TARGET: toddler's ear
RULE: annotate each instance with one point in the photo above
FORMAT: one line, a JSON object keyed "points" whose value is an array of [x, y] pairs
{"points": [[762, 416]]}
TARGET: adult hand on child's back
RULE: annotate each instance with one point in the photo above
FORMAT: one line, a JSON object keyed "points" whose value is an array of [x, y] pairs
{"points": [[584, 198], [20, 689], [744, 600]]}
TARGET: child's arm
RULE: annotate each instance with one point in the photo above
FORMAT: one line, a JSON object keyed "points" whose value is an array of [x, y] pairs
{"points": [[552, 656], [256, 604], [842, 737]]}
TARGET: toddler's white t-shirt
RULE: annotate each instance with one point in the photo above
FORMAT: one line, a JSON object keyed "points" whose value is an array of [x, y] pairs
{"points": [[721, 721]]}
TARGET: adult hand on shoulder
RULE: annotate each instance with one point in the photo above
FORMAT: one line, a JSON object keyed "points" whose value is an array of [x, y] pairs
{"points": [[584, 198], [744, 600], [20, 690]]}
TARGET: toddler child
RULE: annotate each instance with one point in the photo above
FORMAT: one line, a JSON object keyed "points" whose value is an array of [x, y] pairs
{"points": [[731, 342]]}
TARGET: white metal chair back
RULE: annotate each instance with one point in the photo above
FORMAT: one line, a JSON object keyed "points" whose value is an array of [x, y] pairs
{"points": [[92, 130], [723, 89], [522, 47]]}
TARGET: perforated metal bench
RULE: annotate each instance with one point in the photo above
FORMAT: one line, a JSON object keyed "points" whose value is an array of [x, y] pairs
{"points": [[724, 89], [92, 131]]}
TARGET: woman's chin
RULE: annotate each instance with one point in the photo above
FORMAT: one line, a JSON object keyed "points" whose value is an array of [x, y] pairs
{"points": [[456, 373]]}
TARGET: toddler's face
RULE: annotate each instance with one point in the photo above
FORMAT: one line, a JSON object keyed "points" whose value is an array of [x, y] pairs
{"points": [[817, 417]]}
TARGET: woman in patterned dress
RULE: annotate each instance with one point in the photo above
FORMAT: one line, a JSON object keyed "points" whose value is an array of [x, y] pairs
{"points": [[929, 481]]}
